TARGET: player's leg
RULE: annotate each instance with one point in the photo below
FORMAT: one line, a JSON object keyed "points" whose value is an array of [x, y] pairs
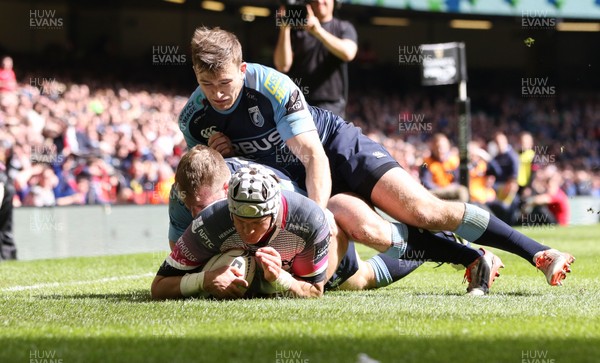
{"points": [[412, 245], [348, 270], [369, 170], [352, 273], [404, 199], [338, 245]]}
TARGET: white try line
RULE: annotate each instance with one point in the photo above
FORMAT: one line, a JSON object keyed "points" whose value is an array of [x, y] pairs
{"points": [[75, 283]]}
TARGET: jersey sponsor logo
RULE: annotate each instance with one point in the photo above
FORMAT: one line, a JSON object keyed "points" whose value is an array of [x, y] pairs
{"points": [[251, 96], [301, 227], [321, 252], [295, 103], [197, 224], [197, 229], [253, 146], [276, 85], [227, 233], [256, 117], [208, 132], [182, 249], [378, 155], [187, 113]]}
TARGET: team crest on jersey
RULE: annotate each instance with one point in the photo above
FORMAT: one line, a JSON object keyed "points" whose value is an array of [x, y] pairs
{"points": [[295, 103], [256, 117]]}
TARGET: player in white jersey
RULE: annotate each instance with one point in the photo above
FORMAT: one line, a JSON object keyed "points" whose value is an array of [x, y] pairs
{"points": [[286, 232]]}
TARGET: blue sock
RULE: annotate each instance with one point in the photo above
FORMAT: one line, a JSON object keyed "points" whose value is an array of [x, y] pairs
{"points": [[389, 269], [424, 246], [399, 237], [480, 227]]}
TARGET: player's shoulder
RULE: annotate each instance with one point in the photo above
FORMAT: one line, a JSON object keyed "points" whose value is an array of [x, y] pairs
{"points": [[196, 102], [215, 209], [301, 209], [212, 223], [268, 81]]}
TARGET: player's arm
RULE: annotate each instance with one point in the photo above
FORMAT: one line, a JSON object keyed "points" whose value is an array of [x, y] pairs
{"points": [[343, 48], [222, 283], [308, 149], [181, 273], [284, 282], [179, 217], [283, 56]]}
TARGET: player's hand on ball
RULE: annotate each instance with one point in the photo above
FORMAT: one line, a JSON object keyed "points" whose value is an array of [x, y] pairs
{"points": [[222, 144], [270, 261], [225, 283]]}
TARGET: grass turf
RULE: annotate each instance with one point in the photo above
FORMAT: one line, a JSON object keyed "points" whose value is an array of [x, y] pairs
{"points": [[99, 310]]}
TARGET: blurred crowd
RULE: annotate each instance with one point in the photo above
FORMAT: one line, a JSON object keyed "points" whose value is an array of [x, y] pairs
{"points": [[527, 155], [69, 143], [94, 142]]}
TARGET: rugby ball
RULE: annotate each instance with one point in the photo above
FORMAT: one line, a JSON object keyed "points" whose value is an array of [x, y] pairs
{"points": [[238, 258]]}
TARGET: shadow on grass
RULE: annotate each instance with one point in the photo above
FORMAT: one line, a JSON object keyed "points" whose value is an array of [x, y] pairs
{"points": [[249, 348]]}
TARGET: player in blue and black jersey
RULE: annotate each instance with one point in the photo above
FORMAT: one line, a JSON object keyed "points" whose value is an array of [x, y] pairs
{"points": [[255, 111]]}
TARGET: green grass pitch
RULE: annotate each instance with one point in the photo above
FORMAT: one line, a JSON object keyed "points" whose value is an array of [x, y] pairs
{"points": [[99, 310]]}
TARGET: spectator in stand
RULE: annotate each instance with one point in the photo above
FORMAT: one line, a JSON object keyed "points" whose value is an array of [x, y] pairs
{"points": [[119, 121], [504, 167], [549, 204], [8, 79], [440, 173], [583, 182], [481, 190], [41, 187], [317, 56], [65, 191], [527, 166]]}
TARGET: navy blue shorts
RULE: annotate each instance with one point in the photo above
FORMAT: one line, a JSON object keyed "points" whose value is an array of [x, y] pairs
{"points": [[347, 267], [357, 162]]}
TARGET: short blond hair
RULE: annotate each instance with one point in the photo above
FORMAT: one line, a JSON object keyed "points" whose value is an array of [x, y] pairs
{"points": [[214, 49], [200, 167]]}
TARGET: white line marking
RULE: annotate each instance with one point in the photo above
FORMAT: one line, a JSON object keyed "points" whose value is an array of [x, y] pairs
{"points": [[75, 283]]}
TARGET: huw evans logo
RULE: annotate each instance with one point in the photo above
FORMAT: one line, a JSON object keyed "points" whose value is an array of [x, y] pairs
{"points": [[542, 155], [413, 123], [411, 55], [303, 89], [44, 356], [537, 87], [536, 356], [167, 55], [47, 86], [295, 18], [290, 356], [537, 20], [45, 20]]}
